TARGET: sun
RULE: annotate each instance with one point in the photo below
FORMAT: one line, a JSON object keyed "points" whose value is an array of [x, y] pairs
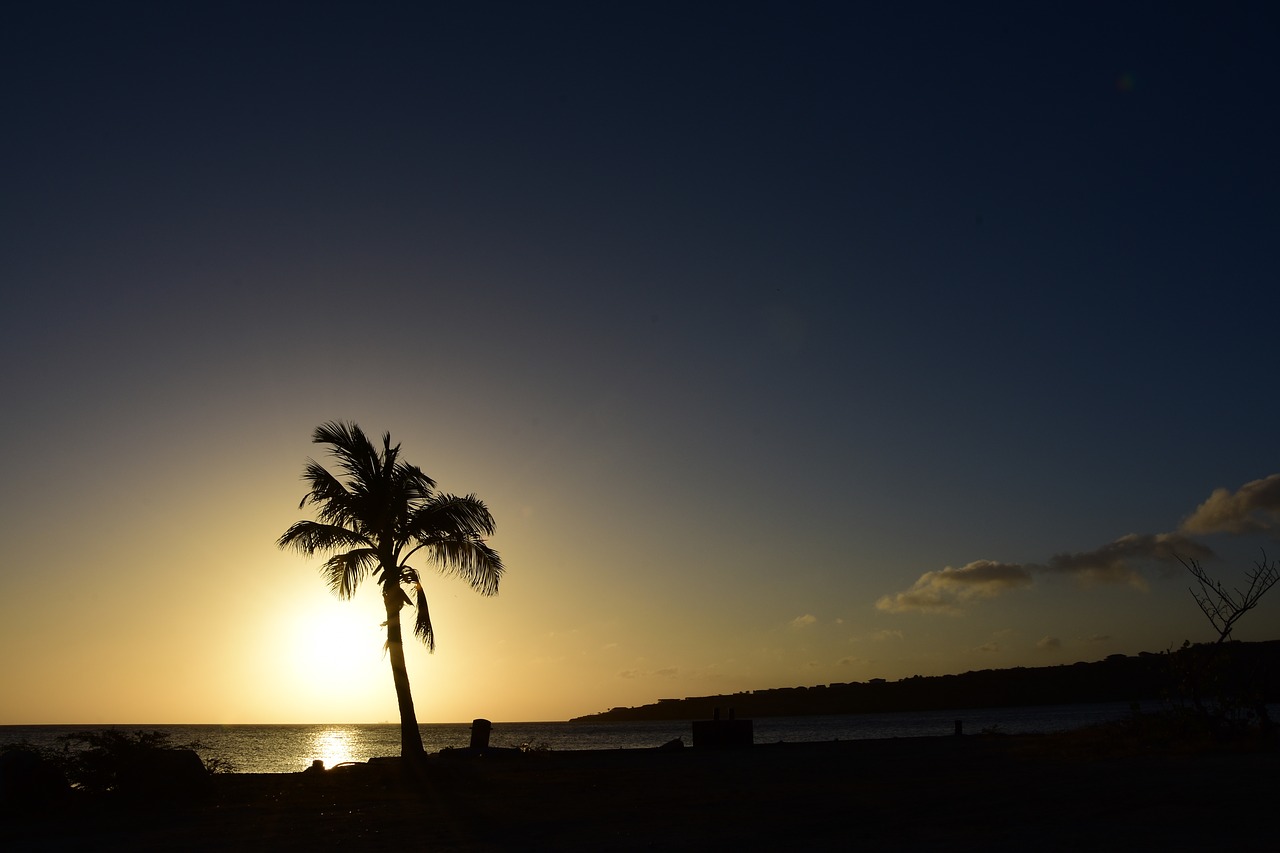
{"points": [[335, 649]]}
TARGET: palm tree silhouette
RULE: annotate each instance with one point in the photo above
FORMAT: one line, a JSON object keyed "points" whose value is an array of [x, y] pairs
{"points": [[373, 521]]}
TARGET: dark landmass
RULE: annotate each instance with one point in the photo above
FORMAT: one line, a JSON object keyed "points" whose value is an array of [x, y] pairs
{"points": [[1118, 678], [1121, 790]]}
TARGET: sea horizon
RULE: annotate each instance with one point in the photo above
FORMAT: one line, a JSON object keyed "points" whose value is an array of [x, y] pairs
{"points": [[291, 747]]}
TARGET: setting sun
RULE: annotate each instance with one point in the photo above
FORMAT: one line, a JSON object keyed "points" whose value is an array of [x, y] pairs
{"points": [[328, 655]]}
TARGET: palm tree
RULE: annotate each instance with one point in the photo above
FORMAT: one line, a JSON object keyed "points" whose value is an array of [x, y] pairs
{"points": [[372, 521]]}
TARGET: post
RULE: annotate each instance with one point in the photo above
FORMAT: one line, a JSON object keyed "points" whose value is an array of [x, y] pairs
{"points": [[480, 733]]}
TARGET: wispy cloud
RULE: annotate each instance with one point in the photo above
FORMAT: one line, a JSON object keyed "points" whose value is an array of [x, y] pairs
{"points": [[1047, 643], [1254, 508], [666, 672], [803, 621], [1116, 561]]}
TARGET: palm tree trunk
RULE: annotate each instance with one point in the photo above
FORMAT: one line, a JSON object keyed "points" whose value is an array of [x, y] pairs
{"points": [[410, 737]]}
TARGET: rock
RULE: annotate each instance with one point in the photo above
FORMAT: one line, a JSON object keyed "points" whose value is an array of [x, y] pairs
{"points": [[164, 773], [29, 780]]}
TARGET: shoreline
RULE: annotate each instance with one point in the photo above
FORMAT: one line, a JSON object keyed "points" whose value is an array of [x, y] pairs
{"points": [[976, 792]]}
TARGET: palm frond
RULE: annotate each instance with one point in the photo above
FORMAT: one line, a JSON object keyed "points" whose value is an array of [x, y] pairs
{"points": [[449, 513], [343, 572], [452, 530], [312, 536], [415, 484], [470, 559], [353, 450], [422, 622], [325, 488]]}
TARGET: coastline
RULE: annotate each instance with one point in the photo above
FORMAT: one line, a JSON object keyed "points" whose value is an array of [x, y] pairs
{"points": [[970, 793], [290, 748]]}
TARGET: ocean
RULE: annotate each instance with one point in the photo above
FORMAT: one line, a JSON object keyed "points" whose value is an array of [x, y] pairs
{"points": [[290, 748]]}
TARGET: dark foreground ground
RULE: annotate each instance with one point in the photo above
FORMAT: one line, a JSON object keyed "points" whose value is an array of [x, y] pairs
{"points": [[954, 793]]}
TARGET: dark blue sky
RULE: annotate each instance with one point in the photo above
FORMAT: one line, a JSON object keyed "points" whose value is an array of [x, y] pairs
{"points": [[809, 299]]}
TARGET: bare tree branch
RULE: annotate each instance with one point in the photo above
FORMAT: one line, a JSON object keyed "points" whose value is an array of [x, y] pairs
{"points": [[1220, 606]]}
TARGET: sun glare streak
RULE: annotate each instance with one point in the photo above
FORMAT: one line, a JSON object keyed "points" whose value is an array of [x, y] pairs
{"points": [[332, 746]]}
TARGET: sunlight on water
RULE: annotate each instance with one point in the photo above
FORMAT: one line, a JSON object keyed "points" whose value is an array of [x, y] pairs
{"points": [[292, 748], [332, 746]]}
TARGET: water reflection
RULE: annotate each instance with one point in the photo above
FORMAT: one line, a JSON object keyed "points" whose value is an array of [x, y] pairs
{"points": [[333, 745]]}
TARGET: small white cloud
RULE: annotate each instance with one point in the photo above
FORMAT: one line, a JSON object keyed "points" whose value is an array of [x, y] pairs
{"points": [[803, 621]]}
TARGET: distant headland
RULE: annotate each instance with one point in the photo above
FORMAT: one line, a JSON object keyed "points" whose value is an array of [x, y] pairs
{"points": [[1118, 678]]}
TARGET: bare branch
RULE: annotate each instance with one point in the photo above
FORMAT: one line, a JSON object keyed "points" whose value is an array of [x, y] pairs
{"points": [[1220, 606]]}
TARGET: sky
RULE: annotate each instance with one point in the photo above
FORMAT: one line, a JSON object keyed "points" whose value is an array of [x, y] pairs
{"points": [[788, 343]]}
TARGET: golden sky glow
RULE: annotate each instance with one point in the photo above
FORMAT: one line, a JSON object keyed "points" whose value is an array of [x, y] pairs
{"points": [[790, 346], [243, 633]]}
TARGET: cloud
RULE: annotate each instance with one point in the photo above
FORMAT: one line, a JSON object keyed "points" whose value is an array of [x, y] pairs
{"points": [[1255, 508], [803, 621], [1098, 638], [667, 672], [1048, 643], [944, 591], [1114, 562]]}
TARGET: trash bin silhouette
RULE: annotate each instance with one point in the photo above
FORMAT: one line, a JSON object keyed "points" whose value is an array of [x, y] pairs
{"points": [[480, 733]]}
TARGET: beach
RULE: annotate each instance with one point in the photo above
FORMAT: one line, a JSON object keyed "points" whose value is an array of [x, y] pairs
{"points": [[967, 793]]}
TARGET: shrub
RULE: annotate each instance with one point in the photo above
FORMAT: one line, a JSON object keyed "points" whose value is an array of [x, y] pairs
{"points": [[139, 762]]}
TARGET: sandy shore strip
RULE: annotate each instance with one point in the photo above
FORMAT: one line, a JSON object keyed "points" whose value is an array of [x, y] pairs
{"points": [[964, 793]]}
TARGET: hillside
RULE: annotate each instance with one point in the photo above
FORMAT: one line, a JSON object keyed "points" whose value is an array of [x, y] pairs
{"points": [[1242, 669]]}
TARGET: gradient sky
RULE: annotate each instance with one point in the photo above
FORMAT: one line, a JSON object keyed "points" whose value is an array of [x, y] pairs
{"points": [[788, 343]]}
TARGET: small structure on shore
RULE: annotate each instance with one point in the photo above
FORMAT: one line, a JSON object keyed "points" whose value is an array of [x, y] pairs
{"points": [[723, 734]]}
